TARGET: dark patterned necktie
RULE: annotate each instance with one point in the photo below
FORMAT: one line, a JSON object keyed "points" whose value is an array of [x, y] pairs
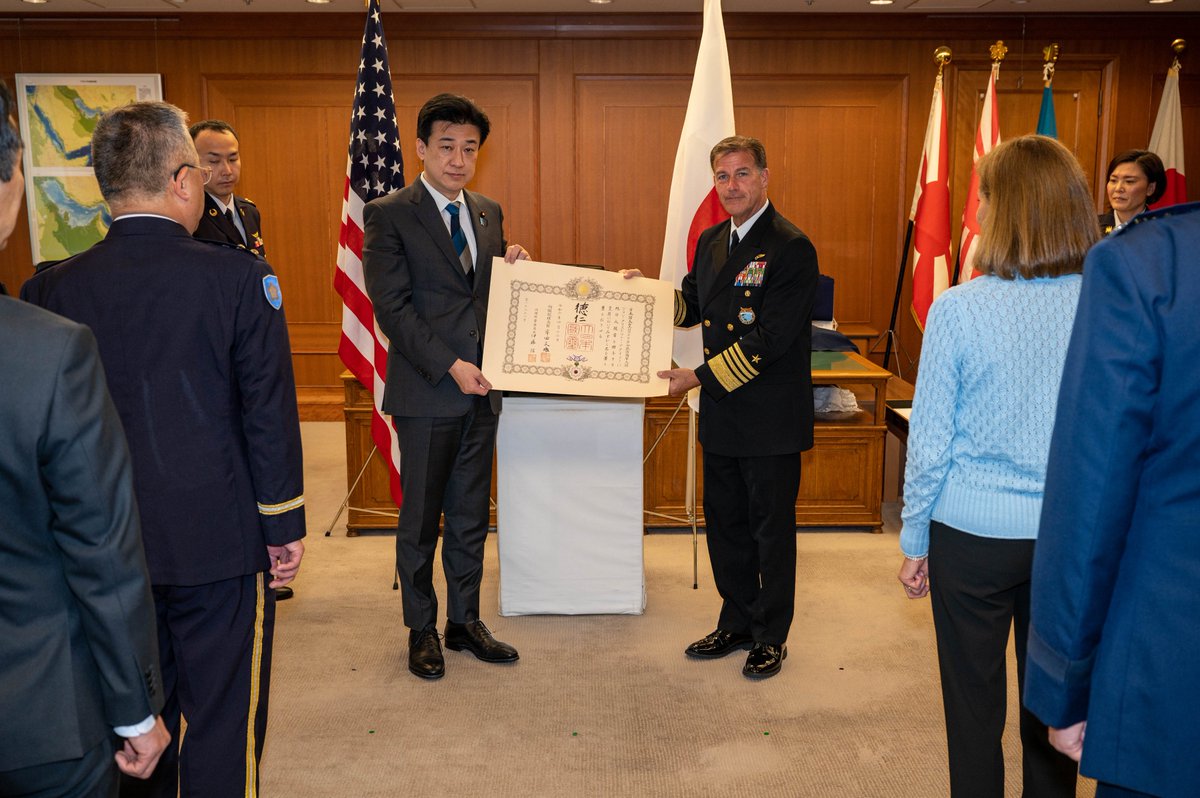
{"points": [[459, 238], [233, 224]]}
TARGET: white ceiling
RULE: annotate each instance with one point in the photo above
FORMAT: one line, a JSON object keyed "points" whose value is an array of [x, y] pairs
{"points": [[614, 7]]}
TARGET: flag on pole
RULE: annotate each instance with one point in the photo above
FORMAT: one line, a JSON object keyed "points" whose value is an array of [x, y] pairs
{"points": [[374, 168], [987, 136], [1047, 125], [693, 206], [1167, 140], [930, 212]]}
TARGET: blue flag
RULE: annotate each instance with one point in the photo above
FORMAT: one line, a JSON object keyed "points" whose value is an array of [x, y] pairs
{"points": [[1046, 125]]}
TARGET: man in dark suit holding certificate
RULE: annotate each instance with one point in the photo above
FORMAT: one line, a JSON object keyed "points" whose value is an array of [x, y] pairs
{"points": [[427, 260], [751, 288]]}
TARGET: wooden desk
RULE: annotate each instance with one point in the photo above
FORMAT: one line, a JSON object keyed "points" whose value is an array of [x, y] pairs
{"points": [[841, 482], [861, 334]]}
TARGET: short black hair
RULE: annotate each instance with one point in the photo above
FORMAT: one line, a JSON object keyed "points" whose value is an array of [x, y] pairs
{"points": [[455, 109], [215, 125], [10, 137], [1151, 166]]}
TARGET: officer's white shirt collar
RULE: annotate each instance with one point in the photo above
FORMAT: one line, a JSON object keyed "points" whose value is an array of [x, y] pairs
{"points": [[745, 226], [464, 214], [145, 215]]}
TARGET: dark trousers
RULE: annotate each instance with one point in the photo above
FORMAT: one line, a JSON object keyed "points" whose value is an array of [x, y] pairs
{"points": [[214, 645], [93, 775], [750, 525], [446, 468], [979, 588]]}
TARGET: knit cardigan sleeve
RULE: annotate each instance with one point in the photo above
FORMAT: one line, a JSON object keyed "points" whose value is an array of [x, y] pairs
{"points": [[931, 427]]}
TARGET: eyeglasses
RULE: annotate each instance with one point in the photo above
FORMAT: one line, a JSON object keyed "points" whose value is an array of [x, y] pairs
{"points": [[206, 172]]}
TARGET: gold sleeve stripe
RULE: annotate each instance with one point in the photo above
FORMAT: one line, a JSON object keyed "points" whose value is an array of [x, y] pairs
{"points": [[739, 362], [732, 369], [721, 372], [283, 507], [680, 308]]}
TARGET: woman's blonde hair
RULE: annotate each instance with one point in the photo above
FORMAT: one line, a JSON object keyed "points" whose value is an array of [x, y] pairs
{"points": [[1040, 221]]}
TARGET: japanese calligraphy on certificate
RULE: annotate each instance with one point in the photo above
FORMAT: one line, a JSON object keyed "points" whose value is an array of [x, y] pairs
{"points": [[567, 330]]}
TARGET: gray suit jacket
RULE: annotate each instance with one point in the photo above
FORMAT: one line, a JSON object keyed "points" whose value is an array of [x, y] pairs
{"points": [[78, 647], [423, 302]]}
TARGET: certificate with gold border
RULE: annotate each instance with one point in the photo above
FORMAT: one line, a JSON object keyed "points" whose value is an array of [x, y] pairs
{"points": [[569, 330]]}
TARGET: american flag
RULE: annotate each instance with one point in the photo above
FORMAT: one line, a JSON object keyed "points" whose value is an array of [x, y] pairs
{"points": [[374, 169]]}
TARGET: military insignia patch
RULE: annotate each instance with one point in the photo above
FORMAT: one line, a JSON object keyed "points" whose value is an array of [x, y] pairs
{"points": [[273, 293], [746, 315], [212, 211]]}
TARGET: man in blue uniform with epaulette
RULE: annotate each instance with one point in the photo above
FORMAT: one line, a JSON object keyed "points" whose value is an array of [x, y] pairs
{"points": [[195, 348]]}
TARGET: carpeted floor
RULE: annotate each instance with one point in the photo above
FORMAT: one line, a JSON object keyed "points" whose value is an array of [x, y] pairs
{"points": [[604, 705]]}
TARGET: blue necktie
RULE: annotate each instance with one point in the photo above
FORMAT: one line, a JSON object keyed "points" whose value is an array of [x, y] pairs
{"points": [[459, 238]]}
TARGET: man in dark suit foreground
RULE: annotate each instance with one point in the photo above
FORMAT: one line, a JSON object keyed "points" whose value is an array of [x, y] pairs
{"points": [[78, 658], [752, 288], [195, 348], [1114, 641], [427, 262]]}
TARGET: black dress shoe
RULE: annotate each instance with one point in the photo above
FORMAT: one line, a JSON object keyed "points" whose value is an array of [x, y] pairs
{"points": [[474, 636], [764, 660], [283, 593], [425, 654], [718, 644]]}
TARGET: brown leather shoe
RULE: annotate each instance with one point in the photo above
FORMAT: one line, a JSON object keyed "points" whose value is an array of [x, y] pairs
{"points": [[718, 644], [474, 636], [764, 661], [425, 654]]}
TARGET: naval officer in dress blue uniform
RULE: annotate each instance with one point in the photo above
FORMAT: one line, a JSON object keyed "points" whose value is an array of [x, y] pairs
{"points": [[752, 289], [195, 347]]}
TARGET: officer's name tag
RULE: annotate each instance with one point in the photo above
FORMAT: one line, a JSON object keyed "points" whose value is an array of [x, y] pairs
{"points": [[273, 293], [752, 275]]}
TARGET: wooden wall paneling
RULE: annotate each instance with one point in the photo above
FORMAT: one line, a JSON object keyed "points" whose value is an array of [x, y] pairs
{"points": [[834, 159], [557, 209], [627, 134]]}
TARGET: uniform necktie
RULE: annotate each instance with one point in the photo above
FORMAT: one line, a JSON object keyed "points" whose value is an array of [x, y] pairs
{"points": [[459, 238], [233, 224], [733, 242]]}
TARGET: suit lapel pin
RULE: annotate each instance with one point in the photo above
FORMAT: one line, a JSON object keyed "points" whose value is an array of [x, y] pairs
{"points": [[212, 211], [483, 218]]}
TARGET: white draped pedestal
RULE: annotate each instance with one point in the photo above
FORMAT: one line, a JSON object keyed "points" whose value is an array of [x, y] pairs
{"points": [[569, 506]]}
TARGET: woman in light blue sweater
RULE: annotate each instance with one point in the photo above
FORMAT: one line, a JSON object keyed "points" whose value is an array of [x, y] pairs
{"points": [[979, 435]]}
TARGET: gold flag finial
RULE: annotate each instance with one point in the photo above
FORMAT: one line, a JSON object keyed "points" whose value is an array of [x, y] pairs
{"points": [[998, 51], [942, 55], [1050, 53], [1179, 45]]}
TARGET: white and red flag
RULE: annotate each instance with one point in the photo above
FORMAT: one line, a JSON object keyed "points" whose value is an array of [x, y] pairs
{"points": [[1167, 140], [374, 168], [987, 136], [693, 205], [930, 212]]}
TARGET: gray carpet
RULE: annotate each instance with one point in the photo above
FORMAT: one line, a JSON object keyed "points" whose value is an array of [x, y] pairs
{"points": [[605, 705]]}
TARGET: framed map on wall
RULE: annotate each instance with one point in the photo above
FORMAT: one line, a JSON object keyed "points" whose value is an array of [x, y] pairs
{"points": [[57, 116]]}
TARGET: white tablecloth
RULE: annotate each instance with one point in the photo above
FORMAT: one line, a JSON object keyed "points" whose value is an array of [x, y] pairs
{"points": [[569, 506]]}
